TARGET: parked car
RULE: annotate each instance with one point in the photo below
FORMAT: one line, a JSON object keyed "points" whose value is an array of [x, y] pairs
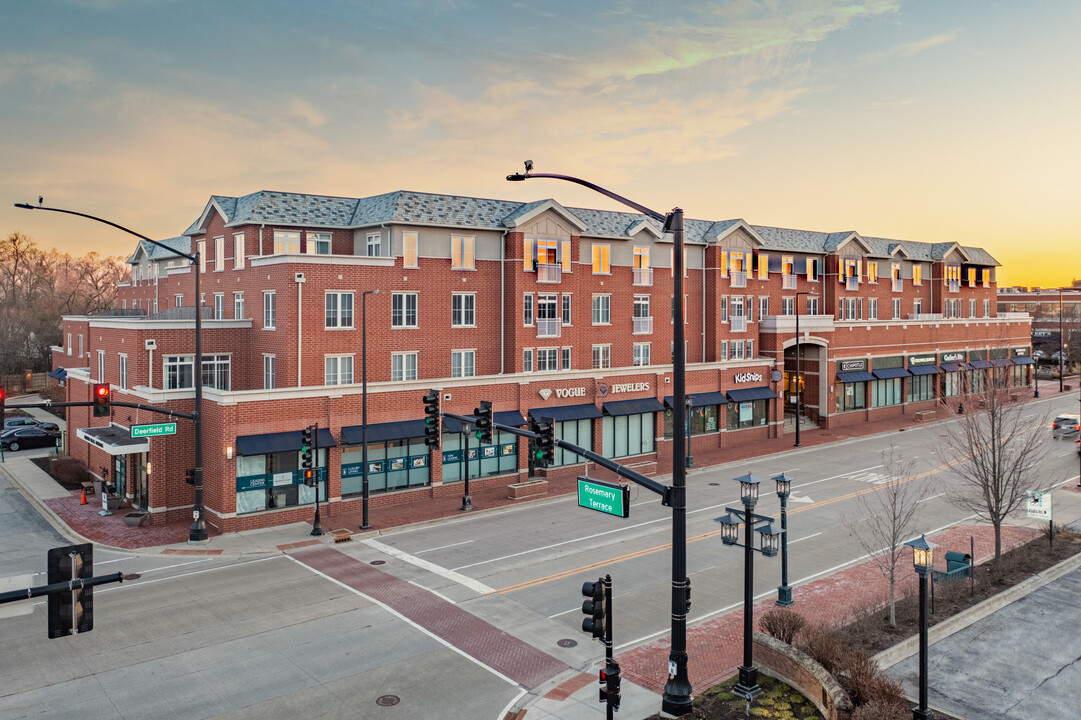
{"points": [[14, 422], [51, 427], [1066, 426], [30, 436]]}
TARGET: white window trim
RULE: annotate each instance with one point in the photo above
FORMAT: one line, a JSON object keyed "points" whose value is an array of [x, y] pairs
{"points": [[473, 310], [272, 295], [405, 315], [273, 359], [404, 355], [463, 353], [219, 253], [339, 357], [338, 310], [238, 251], [416, 249]]}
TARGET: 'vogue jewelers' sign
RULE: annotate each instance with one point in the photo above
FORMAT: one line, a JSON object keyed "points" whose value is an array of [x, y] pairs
{"points": [[748, 377], [629, 387]]}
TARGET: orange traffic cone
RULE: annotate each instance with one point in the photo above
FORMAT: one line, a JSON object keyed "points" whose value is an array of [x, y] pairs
{"points": [[83, 501]]}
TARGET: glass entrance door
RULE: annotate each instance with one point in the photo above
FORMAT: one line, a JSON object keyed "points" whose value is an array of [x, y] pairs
{"points": [[141, 497], [120, 475]]}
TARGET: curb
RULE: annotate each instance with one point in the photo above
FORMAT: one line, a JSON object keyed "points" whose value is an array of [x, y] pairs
{"points": [[47, 512], [907, 648]]}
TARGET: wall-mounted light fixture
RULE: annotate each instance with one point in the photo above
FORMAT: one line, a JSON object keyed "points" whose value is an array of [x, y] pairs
{"points": [[229, 452]]}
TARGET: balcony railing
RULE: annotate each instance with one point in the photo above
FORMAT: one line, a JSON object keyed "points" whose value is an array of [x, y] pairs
{"points": [[643, 325], [926, 316], [643, 277], [954, 285], [549, 327], [738, 279], [898, 284], [788, 282], [738, 323], [852, 283], [549, 273]]}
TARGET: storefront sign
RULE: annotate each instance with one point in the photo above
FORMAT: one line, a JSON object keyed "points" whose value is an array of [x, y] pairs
{"points": [[953, 357], [630, 387], [852, 365], [251, 482], [570, 392], [920, 360], [748, 377], [1020, 352], [605, 497], [282, 478], [1038, 505], [746, 412]]}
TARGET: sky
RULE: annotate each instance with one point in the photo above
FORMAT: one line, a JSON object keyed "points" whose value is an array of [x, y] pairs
{"points": [[907, 119]]}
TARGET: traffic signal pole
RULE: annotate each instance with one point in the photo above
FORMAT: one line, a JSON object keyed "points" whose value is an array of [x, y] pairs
{"points": [[67, 586]]}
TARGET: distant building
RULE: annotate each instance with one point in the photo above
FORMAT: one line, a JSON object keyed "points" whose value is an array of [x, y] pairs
{"points": [[544, 310]]}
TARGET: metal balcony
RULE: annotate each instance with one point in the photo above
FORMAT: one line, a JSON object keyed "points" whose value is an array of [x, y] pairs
{"points": [[954, 285], [898, 284], [549, 273], [643, 325], [738, 323], [737, 279], [852, 283], [643, 277], [788, 282], [549, 327]]}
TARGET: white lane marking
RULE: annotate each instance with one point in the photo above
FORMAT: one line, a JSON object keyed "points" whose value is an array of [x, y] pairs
{"points": [[793, 498], [930, 498], [801, 581], [443, 547], [139, 583], [106, 562], [474, 585], [805, 537], [406, 620], [506, 711], [170, 567]]}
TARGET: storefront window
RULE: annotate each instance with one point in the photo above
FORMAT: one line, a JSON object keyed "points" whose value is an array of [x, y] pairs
{"points": [[921, 387], [576, 432], [886, 392], [499, 458], [628, 434], [392, 465], [747, 414], [951, 384], [266, 482], [976, 381], [702, 420], [851, 396]]}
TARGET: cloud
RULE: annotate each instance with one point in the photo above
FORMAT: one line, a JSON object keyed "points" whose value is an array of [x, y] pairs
{"points": [[306, 111], [913, 48], [43, 72]]}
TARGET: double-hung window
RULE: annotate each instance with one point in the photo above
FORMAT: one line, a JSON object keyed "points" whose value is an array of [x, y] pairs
{"points": [[270, 309], [763, 306], [897, 308], [566, 300], [219, 254], [123, 371], [403, 310], [547, 359], [238, 305], [872, 308], [463, 310], [200, 247], [566, 358], [527, 309], [409, 249], [602, 309], [339, 310], [812, 306], [602, 357], [642, 320], [179, 372], [319, 243], [917, 306], [268, 371], [463, 363], [461, 252], [601, 260], [917, 274], [339, 369], [101, 366], [403, 366], [373, 244], [286, 242], [788, 306], [219, 306], [238, 251], [641, 354]]}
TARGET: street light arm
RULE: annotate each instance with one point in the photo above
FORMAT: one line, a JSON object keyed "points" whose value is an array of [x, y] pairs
{"points": [[597, 188], [28, 206]]}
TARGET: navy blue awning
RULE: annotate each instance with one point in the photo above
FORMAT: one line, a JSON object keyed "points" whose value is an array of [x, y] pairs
{"points": [[857, 376], [748, 394], [1023, 361], [699, 399], [503, 417], [980, 364], [563, 413], [954, 367], [270, 443], [381, 432], [1001, 362], [890, 373], [633, 407], [925, 370], [59, 373]]}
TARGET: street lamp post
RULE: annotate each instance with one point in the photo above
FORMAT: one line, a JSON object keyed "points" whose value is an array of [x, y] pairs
{"points": [[364, 400], [784, 489], [1061, 344], [197, 532], [748, 487], [923, 559], [677, 690], [799, 373]]}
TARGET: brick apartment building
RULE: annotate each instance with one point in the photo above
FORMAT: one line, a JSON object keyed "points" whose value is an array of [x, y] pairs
{"points": [[1056, 321], [542, 309]]}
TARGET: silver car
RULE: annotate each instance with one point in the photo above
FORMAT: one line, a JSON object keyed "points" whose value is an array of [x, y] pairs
{"points": [[1066, 426]]}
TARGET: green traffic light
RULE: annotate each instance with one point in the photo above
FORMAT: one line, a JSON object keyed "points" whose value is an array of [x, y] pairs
{"points": [[539, 455]]}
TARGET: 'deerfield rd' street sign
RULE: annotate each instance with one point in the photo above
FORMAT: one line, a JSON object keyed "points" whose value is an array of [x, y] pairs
{"points": [[153, 430], [607, 497]]}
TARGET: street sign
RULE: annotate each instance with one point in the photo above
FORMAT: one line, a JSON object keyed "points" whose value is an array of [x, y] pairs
{"points": [[1038, 505], [153, 430], [607, 497]]}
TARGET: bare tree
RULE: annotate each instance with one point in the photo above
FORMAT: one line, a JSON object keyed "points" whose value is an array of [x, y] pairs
{"points": [[889, 517], [995, 451]]}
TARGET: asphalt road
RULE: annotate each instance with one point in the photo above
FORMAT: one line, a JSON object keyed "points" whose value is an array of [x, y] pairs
{"points": [[267, 637]]}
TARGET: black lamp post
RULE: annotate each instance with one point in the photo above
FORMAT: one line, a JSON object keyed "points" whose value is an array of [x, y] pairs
{"points": [[799, 376], [923, 554], [677, 690], [1061, 344], [198, 532], [364, 399], [770, 539], [784, 489]]}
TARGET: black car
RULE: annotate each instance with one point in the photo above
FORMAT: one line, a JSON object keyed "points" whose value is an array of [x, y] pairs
{"points": [[30, 436]]}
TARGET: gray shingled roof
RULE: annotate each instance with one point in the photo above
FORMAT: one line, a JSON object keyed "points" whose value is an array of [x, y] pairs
{"points": [[153, 252], [403, 206]]}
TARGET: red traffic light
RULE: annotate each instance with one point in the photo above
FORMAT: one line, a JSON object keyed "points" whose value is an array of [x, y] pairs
{"points": [[102, 390], [101, 400]]}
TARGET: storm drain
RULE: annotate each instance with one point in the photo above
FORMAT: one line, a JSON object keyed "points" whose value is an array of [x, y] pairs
{"points": [[387, 700], [566, 643], [378, 562]]}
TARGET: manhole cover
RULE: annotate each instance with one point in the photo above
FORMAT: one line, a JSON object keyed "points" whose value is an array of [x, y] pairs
{"points": [[387, 700], [380, 562], [566, 642]]}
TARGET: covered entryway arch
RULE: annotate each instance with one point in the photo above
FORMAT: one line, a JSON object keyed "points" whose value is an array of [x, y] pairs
{"points": [[806, 379]]}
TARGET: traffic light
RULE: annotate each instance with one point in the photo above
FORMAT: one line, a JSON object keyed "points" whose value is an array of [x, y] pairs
{"points": [[101, 400], [306, 448], [431, 419], [610, 677], [483, 414], [3, 399], [71, 611], [546, 447], [309, 477], [593, 608], [189, 476]]}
